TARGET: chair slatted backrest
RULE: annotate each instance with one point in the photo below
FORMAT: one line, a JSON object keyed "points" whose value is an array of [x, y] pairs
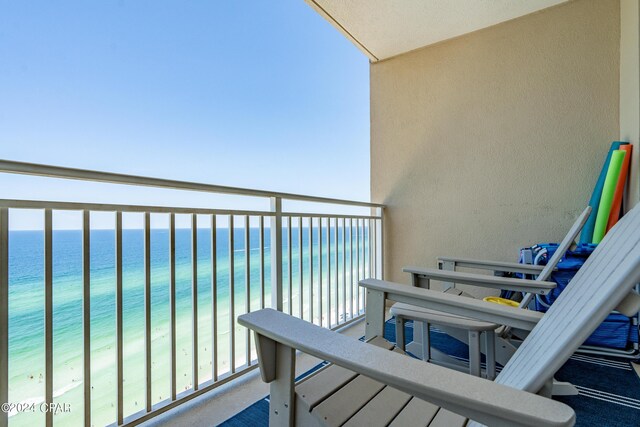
{"points": [[564, 246], [607, 277]]}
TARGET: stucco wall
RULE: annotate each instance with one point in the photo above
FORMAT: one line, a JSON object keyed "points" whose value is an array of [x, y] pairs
{"points": [[492, 141], [630, 89]]}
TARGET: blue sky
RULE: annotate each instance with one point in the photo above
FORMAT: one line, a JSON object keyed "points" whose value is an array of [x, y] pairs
{"points": [[245, 93]]}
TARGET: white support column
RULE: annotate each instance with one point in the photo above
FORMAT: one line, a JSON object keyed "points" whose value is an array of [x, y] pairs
{"points": [[276, 253], [379, 273], [630, 89]]}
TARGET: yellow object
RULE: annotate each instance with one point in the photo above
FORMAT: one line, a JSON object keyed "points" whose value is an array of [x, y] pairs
{"points": [[501, 301]]}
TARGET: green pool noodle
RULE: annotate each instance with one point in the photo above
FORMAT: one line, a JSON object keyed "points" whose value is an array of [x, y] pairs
{"points": [[594, 201], [608, 191]]}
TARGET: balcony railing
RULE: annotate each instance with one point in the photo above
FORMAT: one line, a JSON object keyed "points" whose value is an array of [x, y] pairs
{"points": [[147, 315]]}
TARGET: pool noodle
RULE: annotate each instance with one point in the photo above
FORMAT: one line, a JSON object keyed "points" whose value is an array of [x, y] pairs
{"points": [[608, 190], [616, 205], [587, 230]]}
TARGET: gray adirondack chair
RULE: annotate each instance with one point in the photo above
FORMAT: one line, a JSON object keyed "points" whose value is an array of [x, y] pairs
{"points": [[367, 384], [496, 347]]}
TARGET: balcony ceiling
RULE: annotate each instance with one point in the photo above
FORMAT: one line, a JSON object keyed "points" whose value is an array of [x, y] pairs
{"points": [[386, 28]]}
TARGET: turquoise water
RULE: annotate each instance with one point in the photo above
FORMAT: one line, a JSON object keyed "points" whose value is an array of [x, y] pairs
{"points": [[26, 311]]}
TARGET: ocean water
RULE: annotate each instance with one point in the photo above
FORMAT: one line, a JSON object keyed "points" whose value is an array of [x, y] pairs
{"points": [[26, 311]]}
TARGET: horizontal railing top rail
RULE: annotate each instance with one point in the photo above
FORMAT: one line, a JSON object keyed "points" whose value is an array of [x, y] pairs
{"points": [[112, 207], [34, 169]]}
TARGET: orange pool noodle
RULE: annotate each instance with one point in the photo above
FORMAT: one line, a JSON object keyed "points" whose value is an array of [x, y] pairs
{"points": [[616, 206]]}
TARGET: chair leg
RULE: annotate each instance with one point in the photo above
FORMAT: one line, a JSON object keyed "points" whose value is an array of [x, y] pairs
{"points": [[426, 341], [561, 388], [474, 353], [281, 390], [400, 333], [490, 343]]}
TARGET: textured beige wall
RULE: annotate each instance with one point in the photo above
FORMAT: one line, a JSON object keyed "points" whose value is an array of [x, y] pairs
{"points": [[493, 141], [630, 88]]}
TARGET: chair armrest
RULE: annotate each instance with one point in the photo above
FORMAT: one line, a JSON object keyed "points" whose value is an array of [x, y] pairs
{"points": [[509, 267], [494, 282], [467, 307], [476, 398]]}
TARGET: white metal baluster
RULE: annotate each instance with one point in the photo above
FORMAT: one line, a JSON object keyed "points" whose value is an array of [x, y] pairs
{"points": [[351, 293], [365, 241], [329, 272], [48, 313], [363, 236], [370, 245], [214, 299], [86, 315], [300, 290], [381, 245], [194, 298], [372, 248], [247, 280], [363, 266], [289, 264], [4, 313], [276, 254], [261, 246], [344, 269], [311, 302], [357, 266], [320, 290], [172, 299], [147, 309], [335, 295], [372, 229], [337, 283], [378, 248], [232, 328], [119, 328]]}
